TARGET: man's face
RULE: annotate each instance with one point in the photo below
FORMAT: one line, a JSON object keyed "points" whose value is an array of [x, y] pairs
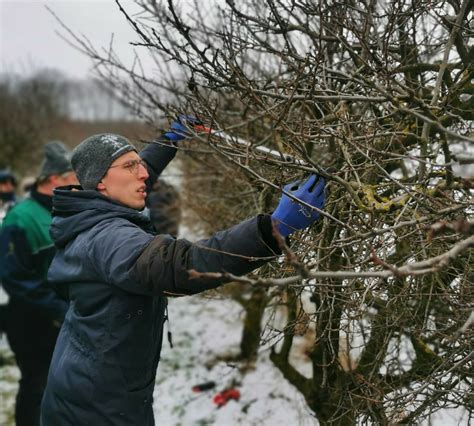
{"points": [[7, 186], [125, 181]]}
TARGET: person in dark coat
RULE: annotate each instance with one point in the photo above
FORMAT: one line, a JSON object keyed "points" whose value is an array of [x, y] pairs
{"points": [[7, 201], [118, 274], [164, 204], [34, 311], [7, 192]]}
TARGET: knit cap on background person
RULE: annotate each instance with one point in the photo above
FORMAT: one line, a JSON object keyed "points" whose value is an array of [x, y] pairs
{"points": [[92, 157], [57, 160], [6, 175]]}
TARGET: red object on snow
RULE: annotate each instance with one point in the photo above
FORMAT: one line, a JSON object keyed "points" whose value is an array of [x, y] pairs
{"points": [[222, 398]]}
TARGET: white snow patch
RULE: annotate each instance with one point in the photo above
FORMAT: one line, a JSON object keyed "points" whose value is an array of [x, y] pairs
{"points": [[203, 329]]}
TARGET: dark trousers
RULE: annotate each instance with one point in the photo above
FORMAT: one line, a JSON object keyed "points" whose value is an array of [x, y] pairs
{"points": [[32, 337]]}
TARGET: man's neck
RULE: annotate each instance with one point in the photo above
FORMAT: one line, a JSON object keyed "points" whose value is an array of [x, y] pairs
{"points": [[44, 197]]}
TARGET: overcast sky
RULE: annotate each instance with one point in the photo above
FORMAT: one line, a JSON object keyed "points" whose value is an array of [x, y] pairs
{"points": [[29, 39]]}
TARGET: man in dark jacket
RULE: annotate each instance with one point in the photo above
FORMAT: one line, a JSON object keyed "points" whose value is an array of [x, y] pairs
{"points": [[165, 208], [118, 274], [34, 311], [7, 201], [7, 192]]}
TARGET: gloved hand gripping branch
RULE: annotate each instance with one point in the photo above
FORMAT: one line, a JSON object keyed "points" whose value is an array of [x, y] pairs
{"points": [[290, 215], [181, 127]]}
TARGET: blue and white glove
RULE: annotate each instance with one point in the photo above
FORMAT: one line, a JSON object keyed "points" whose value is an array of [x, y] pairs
{"points": [[180, 128], [290, 216]]}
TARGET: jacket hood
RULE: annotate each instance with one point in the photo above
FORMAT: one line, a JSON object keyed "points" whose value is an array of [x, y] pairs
{"points": [[75, 210]]}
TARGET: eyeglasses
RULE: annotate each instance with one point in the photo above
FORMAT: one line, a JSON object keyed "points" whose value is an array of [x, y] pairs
{"points": [[132, 166]]}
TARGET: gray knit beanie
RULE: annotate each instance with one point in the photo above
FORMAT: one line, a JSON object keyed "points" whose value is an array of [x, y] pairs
{"points": [[92, 157], [57, 160]]}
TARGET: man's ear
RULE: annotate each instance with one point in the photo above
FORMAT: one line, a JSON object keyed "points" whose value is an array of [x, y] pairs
{"points": [[101, 186]]}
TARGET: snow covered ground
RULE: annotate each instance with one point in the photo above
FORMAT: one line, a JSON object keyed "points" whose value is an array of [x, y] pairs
{"points": [[204, 330], [9, 376]]}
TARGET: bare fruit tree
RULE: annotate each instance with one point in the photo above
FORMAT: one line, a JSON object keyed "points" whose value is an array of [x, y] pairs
{"points": [[376, 97]]}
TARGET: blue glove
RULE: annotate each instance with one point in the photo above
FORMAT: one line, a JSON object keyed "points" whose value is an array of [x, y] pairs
{"points": [[179, 128], [290, 216]]}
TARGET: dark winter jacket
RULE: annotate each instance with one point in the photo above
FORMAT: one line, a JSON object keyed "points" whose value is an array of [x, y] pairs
{"points": [[118, 275]]}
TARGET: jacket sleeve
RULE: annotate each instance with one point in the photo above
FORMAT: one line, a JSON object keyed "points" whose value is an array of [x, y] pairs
{"points": [[164, 264], [157, 155], [20, 276]]}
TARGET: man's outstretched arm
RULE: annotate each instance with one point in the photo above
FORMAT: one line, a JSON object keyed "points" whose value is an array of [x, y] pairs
{"points": [[165, 263]]}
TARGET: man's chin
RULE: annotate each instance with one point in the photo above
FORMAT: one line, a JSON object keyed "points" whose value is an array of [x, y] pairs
{"points": [[139, 206]]}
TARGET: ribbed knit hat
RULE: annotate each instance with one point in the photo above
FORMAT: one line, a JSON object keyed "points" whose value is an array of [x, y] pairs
{"points": [[92, 157], [57, 160], [6, 175]]}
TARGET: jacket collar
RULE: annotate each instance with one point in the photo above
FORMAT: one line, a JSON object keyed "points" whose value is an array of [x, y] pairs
{"points": [[76, 210], [44, 200]]}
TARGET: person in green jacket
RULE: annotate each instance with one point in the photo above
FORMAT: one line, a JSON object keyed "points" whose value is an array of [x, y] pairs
{"points": [[35, 311]]}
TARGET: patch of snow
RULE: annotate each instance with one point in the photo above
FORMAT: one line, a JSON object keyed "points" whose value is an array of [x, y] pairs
{"points": [[203, 330]]}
